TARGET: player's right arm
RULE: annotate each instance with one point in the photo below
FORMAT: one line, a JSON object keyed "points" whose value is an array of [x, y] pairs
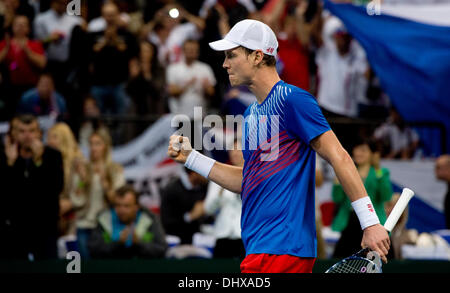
{"points": [[227, 176], [328, 147]]}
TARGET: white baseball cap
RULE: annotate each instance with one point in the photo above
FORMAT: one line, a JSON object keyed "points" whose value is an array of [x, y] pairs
{"points": [[251, 34]]}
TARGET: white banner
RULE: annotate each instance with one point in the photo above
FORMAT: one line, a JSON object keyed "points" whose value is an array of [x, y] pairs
{"points": [[146, 164], [149, 149], [434, 14], [417, 175]]}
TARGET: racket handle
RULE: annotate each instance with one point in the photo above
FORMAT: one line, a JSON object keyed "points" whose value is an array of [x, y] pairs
{"points": [[398, 209]]}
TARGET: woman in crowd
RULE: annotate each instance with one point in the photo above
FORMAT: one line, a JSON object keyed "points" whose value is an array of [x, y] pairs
{"points": [[93, 186], [61, 137]]}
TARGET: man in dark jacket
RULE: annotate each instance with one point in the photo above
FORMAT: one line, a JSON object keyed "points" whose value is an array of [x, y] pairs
{"points": [[179, 205], [108, 78], [127, 231], [32, 179]]}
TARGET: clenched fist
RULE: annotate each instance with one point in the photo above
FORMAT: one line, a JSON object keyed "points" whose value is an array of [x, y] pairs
{"points": [[179, 148]]}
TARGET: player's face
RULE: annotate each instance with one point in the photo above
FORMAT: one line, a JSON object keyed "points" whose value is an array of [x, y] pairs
{"points": [[238, 67]]}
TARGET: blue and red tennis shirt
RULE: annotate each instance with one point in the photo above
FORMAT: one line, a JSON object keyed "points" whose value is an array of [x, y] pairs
{"points": [[278, 187]]}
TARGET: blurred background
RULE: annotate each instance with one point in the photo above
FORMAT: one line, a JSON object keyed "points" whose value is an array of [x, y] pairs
{"points": [[88, 95]]}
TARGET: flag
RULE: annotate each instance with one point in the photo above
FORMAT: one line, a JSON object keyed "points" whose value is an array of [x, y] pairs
{"points": [[410, 55]]}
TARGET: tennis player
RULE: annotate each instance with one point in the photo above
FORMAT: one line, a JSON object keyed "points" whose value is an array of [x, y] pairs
{"points": [[277, 187]]}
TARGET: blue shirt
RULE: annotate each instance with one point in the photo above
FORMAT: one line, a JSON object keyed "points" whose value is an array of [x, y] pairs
{"points": [[118, 227], [278, 187], [32, 103]]}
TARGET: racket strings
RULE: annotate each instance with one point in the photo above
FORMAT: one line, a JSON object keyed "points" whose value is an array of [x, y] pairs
{"points": [[353, 266]]}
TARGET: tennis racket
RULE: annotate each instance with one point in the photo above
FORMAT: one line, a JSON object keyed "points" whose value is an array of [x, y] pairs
{"points": [[366, 261]]}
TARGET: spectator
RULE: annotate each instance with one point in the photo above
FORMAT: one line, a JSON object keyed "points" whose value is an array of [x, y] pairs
{"points": [[43, 100], [378, 185], [91, 115], [237, 10], [293, 41], [443, 173], [342, 67], [100, 23], [111, 51], [190, 82], [376, 103], [5, 214], [61, 138], [342, 71], [179, 199], [54, 29], [127, 231], [169, 33], [23, 58], [219, 16], [93, 185], [33, 178], [133, 12], [397, 140], [79, 51], [9, 9], [77, 83], [144, 88]]}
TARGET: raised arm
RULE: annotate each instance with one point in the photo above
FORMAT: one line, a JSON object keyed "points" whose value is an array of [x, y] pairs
{"points": [[375, 236], [39, 60], [227, 176]]}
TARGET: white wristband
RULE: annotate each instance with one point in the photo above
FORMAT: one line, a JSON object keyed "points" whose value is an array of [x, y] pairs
{"points": [[199, 163], [365, 211]]}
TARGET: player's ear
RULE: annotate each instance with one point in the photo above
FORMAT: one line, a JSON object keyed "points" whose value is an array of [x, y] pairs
{"points": [[258, 57]]}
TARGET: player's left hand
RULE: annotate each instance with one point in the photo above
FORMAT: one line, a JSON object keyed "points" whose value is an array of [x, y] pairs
{"points": [[377, 239]]}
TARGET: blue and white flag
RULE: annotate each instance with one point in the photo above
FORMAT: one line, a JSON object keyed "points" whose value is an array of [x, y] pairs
{"points": [[408, 46]]}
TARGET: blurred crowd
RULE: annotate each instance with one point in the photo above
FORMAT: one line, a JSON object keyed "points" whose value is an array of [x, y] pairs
{"points": [[147, 58], [144, 59]]}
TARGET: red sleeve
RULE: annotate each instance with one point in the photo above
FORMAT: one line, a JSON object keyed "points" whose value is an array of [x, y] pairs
{"points": [[2, 44], [36, 47]]}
